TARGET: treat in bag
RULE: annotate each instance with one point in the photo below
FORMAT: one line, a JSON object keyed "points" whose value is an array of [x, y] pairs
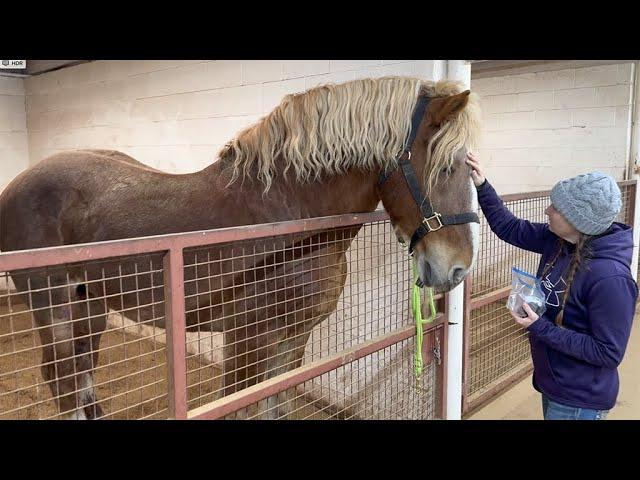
{"points": [[525, 288]]}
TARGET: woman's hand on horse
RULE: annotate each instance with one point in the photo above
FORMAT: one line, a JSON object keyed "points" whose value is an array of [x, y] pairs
{"points": [[529, 319], [476, 172]]}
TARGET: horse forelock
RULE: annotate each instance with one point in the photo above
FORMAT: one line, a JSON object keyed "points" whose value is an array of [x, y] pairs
{"points": [[331, 128], [462, 131]]}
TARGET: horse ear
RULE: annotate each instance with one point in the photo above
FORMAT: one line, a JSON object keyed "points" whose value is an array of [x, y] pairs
{"points": [[450, 107]]}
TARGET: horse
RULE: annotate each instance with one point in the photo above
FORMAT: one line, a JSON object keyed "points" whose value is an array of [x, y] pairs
{"points": [[333, 149]]}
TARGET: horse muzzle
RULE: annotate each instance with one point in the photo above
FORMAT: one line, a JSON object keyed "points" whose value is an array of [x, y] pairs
{"points": [[440, 279]]}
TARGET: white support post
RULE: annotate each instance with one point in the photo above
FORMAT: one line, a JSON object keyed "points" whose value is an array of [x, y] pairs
{"points": [[456, 70], [634, 163], [431, 69]]}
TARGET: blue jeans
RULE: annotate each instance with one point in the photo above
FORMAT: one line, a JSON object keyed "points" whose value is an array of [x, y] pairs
{"points": [[556, 411]]}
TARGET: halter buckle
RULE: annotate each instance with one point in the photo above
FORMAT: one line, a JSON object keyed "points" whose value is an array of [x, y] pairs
{"points": [[425, 222]]}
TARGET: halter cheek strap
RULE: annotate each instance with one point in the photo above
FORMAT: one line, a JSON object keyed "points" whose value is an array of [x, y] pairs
{"points": [[431, 220]]}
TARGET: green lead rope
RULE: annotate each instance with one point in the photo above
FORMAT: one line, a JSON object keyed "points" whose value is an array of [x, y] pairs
{"points": [[417, 315]]}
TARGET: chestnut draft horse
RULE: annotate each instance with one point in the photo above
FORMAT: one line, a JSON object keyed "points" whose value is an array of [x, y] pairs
{"points": [[334, 149]]}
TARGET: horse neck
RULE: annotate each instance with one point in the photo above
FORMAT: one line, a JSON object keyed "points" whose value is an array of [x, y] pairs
{"points": [[287, 199]]}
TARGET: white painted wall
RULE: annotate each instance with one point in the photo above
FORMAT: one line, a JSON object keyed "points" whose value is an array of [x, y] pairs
{"points": [[175, 115], [14, 153], [542, 127]]}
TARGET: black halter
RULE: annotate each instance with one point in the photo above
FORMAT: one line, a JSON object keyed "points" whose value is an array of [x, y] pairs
{"points": [[431, 220]]}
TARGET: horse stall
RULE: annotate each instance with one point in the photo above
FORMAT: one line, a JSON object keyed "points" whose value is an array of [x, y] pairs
{"points": [[275, 318], [357, 363], [306, 318]]}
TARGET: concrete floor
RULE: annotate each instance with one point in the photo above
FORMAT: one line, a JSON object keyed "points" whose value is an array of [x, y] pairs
{"points": [[522, 402]]}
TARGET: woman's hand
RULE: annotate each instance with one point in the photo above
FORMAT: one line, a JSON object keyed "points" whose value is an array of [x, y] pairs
{"points": [[476, 172], [529, 319]]}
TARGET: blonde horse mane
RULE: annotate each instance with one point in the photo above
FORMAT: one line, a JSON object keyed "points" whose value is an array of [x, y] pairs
{"points": [[359, 124]]}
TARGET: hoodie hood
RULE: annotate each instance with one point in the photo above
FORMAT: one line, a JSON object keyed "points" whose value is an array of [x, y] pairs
{"points": [[616, 243]]}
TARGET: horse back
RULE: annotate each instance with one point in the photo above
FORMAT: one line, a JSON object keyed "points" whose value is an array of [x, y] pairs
{"points": [[41, 205]]}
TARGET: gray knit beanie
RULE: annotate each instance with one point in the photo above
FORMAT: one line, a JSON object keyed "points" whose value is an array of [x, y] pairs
{"points": [[589, 202]]}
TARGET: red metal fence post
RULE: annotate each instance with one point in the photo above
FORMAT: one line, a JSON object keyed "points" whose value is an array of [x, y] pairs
{"points": [[173, 264]]}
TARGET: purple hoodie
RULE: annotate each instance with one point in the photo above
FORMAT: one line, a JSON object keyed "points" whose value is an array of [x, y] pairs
{"points": [[575, 364]]}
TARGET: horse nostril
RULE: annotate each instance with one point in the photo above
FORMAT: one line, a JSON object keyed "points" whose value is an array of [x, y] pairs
{"points": [[427, 273], [456, 274]]}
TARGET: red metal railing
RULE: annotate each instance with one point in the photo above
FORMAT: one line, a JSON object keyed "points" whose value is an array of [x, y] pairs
{"points": [[370, 299], [357, 361]]}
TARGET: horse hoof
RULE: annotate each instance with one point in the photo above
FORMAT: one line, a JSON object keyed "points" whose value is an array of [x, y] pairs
{"points": [[75, 415], [93, 412]]}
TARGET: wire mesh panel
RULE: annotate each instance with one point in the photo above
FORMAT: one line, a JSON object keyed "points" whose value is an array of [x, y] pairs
{"points": [[269, 306], [106, 339], [376, 387], [627, 213], [628, 203], [83, 340], [264, 296], [375, 301], [495, 257], [499, 347]]}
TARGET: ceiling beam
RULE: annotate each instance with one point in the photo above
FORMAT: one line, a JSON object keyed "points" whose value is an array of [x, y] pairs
{"points": [[37, 67], [498, 68]]}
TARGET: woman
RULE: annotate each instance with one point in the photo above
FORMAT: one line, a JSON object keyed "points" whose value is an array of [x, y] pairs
{"points": [[580, 340]]}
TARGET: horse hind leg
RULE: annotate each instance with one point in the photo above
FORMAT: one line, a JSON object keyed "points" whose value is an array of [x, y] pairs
{"points": [[291, 350], [69, 338], [90, 323]]}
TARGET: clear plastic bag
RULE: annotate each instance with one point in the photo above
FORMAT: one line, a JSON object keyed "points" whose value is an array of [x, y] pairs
{"points": [[525, 288]]}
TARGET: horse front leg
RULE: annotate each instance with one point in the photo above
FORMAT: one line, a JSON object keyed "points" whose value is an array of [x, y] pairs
{"points": [[315, 295], [236, 374], [289, 356]]}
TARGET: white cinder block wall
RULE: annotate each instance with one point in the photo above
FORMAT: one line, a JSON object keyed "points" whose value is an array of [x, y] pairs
{"points": [[542, 127], [14, 152], [176, 115]]}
